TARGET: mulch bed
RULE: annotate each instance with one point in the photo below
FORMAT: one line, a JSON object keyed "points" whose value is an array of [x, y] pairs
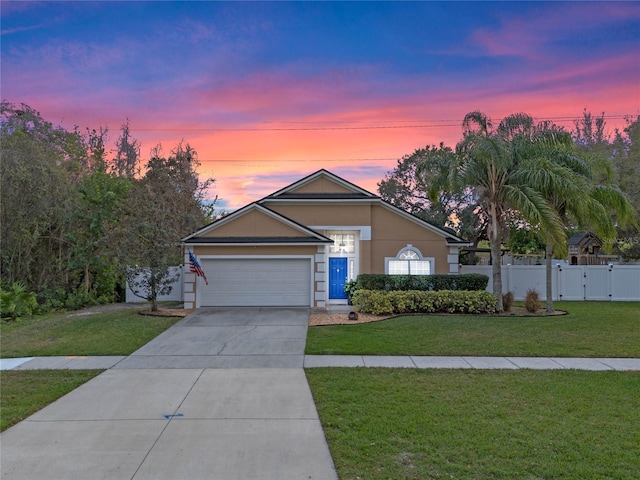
{"points": [[171, 312], [342, 318]]}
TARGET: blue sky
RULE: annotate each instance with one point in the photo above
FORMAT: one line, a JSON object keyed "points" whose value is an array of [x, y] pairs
{"points": [[268, 92]]}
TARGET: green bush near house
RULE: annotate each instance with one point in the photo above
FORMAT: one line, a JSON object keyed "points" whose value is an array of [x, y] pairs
{"points": [[379, 302], [469, 281]]}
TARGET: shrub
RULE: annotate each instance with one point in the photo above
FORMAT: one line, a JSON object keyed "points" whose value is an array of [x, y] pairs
{"points": [[468, 281], [532, 301], [79, 299], [375, 302], [507, 301], [379, 302], [350, 288], [15, 301]]}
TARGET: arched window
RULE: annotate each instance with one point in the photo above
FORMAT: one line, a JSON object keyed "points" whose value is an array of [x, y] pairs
{"points": [[409, 261]]}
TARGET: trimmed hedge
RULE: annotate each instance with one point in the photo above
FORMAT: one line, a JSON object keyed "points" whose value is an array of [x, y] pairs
{"points": [[379, 302], [468, 281]]}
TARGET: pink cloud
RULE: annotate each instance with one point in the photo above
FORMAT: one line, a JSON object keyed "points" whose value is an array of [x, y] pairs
{"points": [[513, 39], [527, 36]]}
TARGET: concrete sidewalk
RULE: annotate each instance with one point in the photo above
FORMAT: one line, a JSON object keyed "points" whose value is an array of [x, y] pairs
{"points": [[315, 361], [513, 363], [164, 414]]}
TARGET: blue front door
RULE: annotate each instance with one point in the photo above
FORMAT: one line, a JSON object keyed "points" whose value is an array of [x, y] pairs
{"points": [[337, 278]]}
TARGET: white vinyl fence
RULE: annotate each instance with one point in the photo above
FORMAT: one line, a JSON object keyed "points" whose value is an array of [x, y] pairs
{"points": [[570, 282], [175, 295]]}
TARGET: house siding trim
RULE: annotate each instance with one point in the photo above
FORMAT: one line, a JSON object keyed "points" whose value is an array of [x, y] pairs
{"points": [[453, 259], [364, 231]]}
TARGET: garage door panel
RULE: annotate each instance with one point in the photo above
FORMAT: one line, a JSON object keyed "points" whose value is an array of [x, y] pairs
{"points": [[257, 282]]}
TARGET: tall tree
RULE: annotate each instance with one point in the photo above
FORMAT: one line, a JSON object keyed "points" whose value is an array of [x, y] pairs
{"points": [[614, 163], [69, 225], [39, 168], [493, 166], [413, 186], [567, 186], [626, 161], [101, 202], [591, 136], [166, 204], [126, 163], [566, 180]]}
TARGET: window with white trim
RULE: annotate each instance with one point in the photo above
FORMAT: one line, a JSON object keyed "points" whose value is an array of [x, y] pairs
{"points": [[342, 243], [409, 261]]}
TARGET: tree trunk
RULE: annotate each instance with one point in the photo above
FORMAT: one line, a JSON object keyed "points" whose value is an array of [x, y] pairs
{"points": [[154, 292], [496, 268], [549, 273], [496, 259], [87, 278]]}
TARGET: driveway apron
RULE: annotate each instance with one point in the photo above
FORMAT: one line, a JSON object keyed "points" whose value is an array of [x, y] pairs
{"points": [[221, 395]]}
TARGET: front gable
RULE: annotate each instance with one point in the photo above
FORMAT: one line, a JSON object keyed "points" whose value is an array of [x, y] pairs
{"points": [[321, 184], [255, 224]]}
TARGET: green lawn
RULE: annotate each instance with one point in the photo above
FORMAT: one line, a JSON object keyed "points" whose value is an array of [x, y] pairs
{"points": [[111, 333], [480, 424], [73, 333], [591, 329], [26, 391]]}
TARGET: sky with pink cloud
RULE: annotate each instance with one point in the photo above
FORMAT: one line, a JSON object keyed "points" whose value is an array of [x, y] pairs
{"points": [[268, 92]]}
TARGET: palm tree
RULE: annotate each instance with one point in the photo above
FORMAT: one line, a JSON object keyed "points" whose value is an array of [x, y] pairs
{"points": [[580, 199], [566, 180], [564, 183], [497, 165]]}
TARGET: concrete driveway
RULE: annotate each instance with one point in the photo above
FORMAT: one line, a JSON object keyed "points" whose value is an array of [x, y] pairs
{"points": [[220, 395], [229, 338]]}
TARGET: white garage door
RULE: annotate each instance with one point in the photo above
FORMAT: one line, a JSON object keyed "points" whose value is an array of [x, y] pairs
{"points": [[257, 282]]}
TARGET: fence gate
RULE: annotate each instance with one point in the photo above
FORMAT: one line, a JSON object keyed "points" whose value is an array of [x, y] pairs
{"points": [[570, 283], [597, 284]]}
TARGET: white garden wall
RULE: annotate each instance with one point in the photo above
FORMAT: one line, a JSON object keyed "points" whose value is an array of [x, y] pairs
{"points": [[175, 295], [570, 282]]}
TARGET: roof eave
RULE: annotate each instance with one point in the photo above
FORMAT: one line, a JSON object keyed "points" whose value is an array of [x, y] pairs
{"points": [[255, 244], [311, 201], [311, 177]]}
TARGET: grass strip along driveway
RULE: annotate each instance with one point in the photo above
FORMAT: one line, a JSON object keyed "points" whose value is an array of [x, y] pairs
{"points": [[25, 392], [483, 424], [118, 332], [590, 329]]}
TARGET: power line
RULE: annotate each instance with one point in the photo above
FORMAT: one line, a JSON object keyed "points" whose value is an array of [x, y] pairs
{"points": [[420, 124], [289, 160], [289, 129]]}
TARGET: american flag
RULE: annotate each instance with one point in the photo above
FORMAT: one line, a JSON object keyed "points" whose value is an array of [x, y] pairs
{"points": [[195, 267]]}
